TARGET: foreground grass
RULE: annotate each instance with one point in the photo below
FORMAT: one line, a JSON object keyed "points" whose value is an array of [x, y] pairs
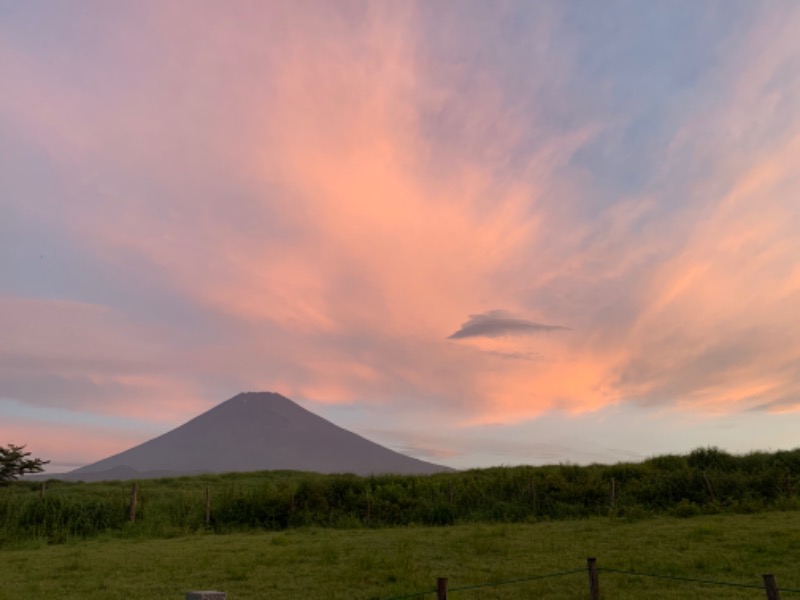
{"points": [[382, 563]]}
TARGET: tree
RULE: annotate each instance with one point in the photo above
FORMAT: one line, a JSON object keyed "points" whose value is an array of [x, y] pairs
{"points": [[14, 462]]}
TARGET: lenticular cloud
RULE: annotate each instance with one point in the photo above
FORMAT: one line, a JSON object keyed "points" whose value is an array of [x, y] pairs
{"points": [[500, 323]]}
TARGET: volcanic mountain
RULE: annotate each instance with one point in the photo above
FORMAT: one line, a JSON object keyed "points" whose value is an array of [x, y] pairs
{"points": [[253, 431]]}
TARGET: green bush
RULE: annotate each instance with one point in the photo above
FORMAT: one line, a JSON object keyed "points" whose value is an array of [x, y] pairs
{"points": [[707, 480]]}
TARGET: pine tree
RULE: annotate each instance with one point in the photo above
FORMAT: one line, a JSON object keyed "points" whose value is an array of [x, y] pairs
{"points": [[14, 462]]}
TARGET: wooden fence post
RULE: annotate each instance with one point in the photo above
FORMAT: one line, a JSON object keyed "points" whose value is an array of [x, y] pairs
{"points": [[594, 580], [43, 490], [441, 588], [132, 509], [771, 587], [208, 507], [533, 495]]}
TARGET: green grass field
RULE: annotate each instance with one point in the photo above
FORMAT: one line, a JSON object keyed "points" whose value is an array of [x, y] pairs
{"points": [[320, 564]]}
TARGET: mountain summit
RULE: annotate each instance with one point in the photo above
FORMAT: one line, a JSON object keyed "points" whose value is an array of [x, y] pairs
{"points": [[254, 431]]}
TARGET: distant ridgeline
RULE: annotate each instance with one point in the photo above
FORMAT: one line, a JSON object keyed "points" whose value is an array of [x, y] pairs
{"points": [[707, 480]]}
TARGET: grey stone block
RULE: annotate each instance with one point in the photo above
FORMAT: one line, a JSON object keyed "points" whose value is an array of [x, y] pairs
{"points": [[205, 595]]}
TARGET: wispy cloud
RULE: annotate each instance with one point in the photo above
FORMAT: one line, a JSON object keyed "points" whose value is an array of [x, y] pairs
{"points": [[198, 200]]}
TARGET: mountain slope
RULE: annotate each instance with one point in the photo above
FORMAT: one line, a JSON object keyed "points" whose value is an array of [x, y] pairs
{"points": [[251, 432]]}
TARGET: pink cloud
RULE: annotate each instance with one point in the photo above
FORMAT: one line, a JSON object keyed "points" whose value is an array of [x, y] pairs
{"points": [[380, 251], [66, 446], [280, 172], [87, 357]]}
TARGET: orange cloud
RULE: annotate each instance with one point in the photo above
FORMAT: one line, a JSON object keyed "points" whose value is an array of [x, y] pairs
{"points": [[330, 198], [716, 330], [382, 250], [66, 446]]}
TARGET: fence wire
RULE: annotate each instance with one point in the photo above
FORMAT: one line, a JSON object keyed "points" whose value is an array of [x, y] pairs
{"points": [[476, 586], [489, 584], [692, 579]]}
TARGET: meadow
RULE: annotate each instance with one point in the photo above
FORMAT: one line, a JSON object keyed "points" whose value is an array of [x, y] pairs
{"points": [[707, 515], [316, 563]]}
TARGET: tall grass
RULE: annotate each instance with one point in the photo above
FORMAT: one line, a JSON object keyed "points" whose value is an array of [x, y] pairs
{"points": [[705, 481]]}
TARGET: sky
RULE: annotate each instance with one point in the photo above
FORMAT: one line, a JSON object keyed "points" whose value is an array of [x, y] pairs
{"points": [[480, 233]]}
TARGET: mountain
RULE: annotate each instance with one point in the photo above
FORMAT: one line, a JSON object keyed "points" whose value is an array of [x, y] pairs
{"points": [[253, 431]]}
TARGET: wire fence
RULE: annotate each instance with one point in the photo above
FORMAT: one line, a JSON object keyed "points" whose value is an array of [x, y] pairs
{"points": [[485, 585], [442, 590], [692, 580]]}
